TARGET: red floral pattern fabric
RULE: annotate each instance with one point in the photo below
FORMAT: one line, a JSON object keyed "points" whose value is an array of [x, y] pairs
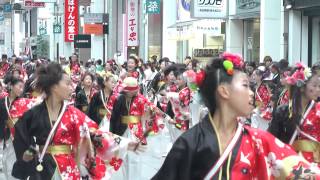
{"points": [[4, 68], [311, 126], [134, 74], [284, 98], [262, 98], [3, 94], [262, 156], [18, 108], [180, 106]]}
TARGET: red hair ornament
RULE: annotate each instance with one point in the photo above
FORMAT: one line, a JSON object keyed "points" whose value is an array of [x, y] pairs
{"points": [[200, 76]]}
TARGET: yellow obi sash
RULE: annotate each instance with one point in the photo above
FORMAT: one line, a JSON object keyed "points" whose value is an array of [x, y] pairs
{"points": [[308, 146], [84, 108], [59, 149], [35, 94], [11, 122], [103, 112], [130, 119]]}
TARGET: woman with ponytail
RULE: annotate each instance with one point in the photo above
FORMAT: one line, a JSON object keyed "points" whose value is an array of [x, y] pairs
{"points": [[220, 146]]}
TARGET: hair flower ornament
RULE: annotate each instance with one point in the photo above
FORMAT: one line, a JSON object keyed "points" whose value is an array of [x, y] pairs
{"points": [[236, 59], [232, 61], [228, 66], [299, 76]]}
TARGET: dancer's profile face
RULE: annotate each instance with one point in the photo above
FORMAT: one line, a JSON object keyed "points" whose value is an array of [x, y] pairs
{"points": [[63, 89], [171, 77], [239, 96], [17, 89], [312, 88], [131, 64]]}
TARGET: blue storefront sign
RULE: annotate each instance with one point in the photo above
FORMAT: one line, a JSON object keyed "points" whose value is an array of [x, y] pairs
{"points": [[7, 8]]}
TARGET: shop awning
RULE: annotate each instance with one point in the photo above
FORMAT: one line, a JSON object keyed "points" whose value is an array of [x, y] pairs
{"points": [[187, 29], [182, 24]]}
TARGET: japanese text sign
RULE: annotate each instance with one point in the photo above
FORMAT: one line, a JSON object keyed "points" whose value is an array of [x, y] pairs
{"points": [[132, 23], [71, 17], [153, 6]]}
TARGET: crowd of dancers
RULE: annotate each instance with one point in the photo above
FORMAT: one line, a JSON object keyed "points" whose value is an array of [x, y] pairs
{"points": [[67, 120]]}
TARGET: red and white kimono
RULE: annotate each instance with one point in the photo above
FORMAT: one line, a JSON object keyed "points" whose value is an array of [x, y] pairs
{"points": [[128, 119], [180, 105], [263, 112], [179, 110], [3, 94], [75, 74], [4, 69], [307, 141], [283, 98], [7, 121], [134, 74], [163, 100], [70, 146], [100, 109], [256, 154], [123, 118]]}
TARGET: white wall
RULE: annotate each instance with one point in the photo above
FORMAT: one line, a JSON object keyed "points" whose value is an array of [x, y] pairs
{"points": [[97, 40], [169, 46], [315, 40], [234, 36], [284, 27], [298, 37], [270, 29]]}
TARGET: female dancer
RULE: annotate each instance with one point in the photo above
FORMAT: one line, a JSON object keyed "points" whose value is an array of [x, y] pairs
{"points": [[179, 104], [52, 140], [101, 105], [128, 119], [132, 65], [262, 114], [220, 147], [85, 92], [298, 123], [12, 107]]}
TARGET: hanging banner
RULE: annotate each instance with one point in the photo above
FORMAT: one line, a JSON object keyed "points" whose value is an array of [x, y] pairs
{"points": [[132, 23], [71, 18]]}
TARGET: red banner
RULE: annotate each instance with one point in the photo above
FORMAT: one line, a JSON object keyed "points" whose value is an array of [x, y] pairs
{"points": [[71, 19]]}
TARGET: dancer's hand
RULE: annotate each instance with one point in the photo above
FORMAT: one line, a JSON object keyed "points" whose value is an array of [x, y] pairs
{"points": [[136, 147], [171, 121], [28, 156]]}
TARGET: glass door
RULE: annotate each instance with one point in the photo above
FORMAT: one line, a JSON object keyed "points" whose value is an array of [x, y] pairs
{"points": [[315, 39]]}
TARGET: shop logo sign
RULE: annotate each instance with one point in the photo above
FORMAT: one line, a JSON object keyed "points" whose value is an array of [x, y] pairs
{"points": [[209, 9], [248, 4], [153, 6]]}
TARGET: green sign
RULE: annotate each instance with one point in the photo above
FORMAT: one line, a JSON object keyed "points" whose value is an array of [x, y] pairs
{"points": [[43, 31], [57, 28], [153, 6]]}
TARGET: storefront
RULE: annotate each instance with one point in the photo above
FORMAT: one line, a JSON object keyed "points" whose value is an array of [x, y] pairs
{"points": [[304, 22], [249, 12], [200, 36], [312, 10]]}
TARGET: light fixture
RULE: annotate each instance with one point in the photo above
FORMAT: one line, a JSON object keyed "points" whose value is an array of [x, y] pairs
{"points": [[288, 4]]}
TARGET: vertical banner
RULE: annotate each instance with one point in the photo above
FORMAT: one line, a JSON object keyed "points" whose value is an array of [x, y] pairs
{"points": [[132, 23], [71, 20]]}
